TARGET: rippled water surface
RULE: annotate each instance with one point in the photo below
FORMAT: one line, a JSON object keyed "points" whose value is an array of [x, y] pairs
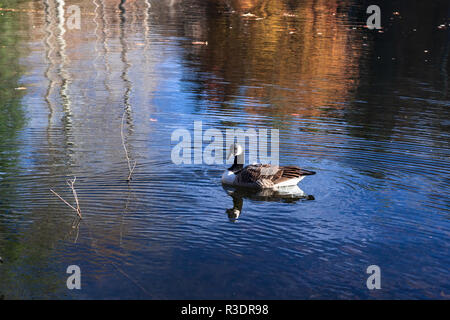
{"points": [[367, 110]]}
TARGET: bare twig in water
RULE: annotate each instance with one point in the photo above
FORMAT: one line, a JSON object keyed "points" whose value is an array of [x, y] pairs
{"points": [[130, 168], [63, 199], [71, 185]]}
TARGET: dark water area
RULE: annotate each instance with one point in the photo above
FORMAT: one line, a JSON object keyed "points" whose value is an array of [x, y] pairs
{"points": [[368, 110]]}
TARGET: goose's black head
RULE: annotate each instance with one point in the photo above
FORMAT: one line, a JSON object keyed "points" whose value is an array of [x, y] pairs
{"points": [[238, 153]]}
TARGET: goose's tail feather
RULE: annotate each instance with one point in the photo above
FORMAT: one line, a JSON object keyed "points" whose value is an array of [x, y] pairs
{"points": [[304, 172], [294, 172]]}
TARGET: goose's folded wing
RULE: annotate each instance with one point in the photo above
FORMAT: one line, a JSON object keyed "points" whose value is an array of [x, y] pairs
{"points": [[249, 174], [258, 172], [290, 172], [270, 174]]}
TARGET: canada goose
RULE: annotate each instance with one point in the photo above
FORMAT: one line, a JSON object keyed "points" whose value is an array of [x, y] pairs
{"points": [[260, 176]]}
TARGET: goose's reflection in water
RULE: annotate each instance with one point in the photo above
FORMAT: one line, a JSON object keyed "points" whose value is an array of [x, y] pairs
{"points": [[290, 194]]}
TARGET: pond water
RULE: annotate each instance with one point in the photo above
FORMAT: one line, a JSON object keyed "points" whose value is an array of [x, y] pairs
{"points": [[368, 110]]}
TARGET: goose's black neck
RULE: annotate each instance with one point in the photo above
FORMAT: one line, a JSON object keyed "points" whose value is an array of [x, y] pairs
{"points": [[237, 165]]}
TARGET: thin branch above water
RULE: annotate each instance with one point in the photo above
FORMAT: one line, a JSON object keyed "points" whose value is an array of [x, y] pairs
{"points": [[71, 184]]}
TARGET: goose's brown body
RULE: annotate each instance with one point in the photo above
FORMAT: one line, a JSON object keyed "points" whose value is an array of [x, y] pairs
{"points": [[266, 176]]}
